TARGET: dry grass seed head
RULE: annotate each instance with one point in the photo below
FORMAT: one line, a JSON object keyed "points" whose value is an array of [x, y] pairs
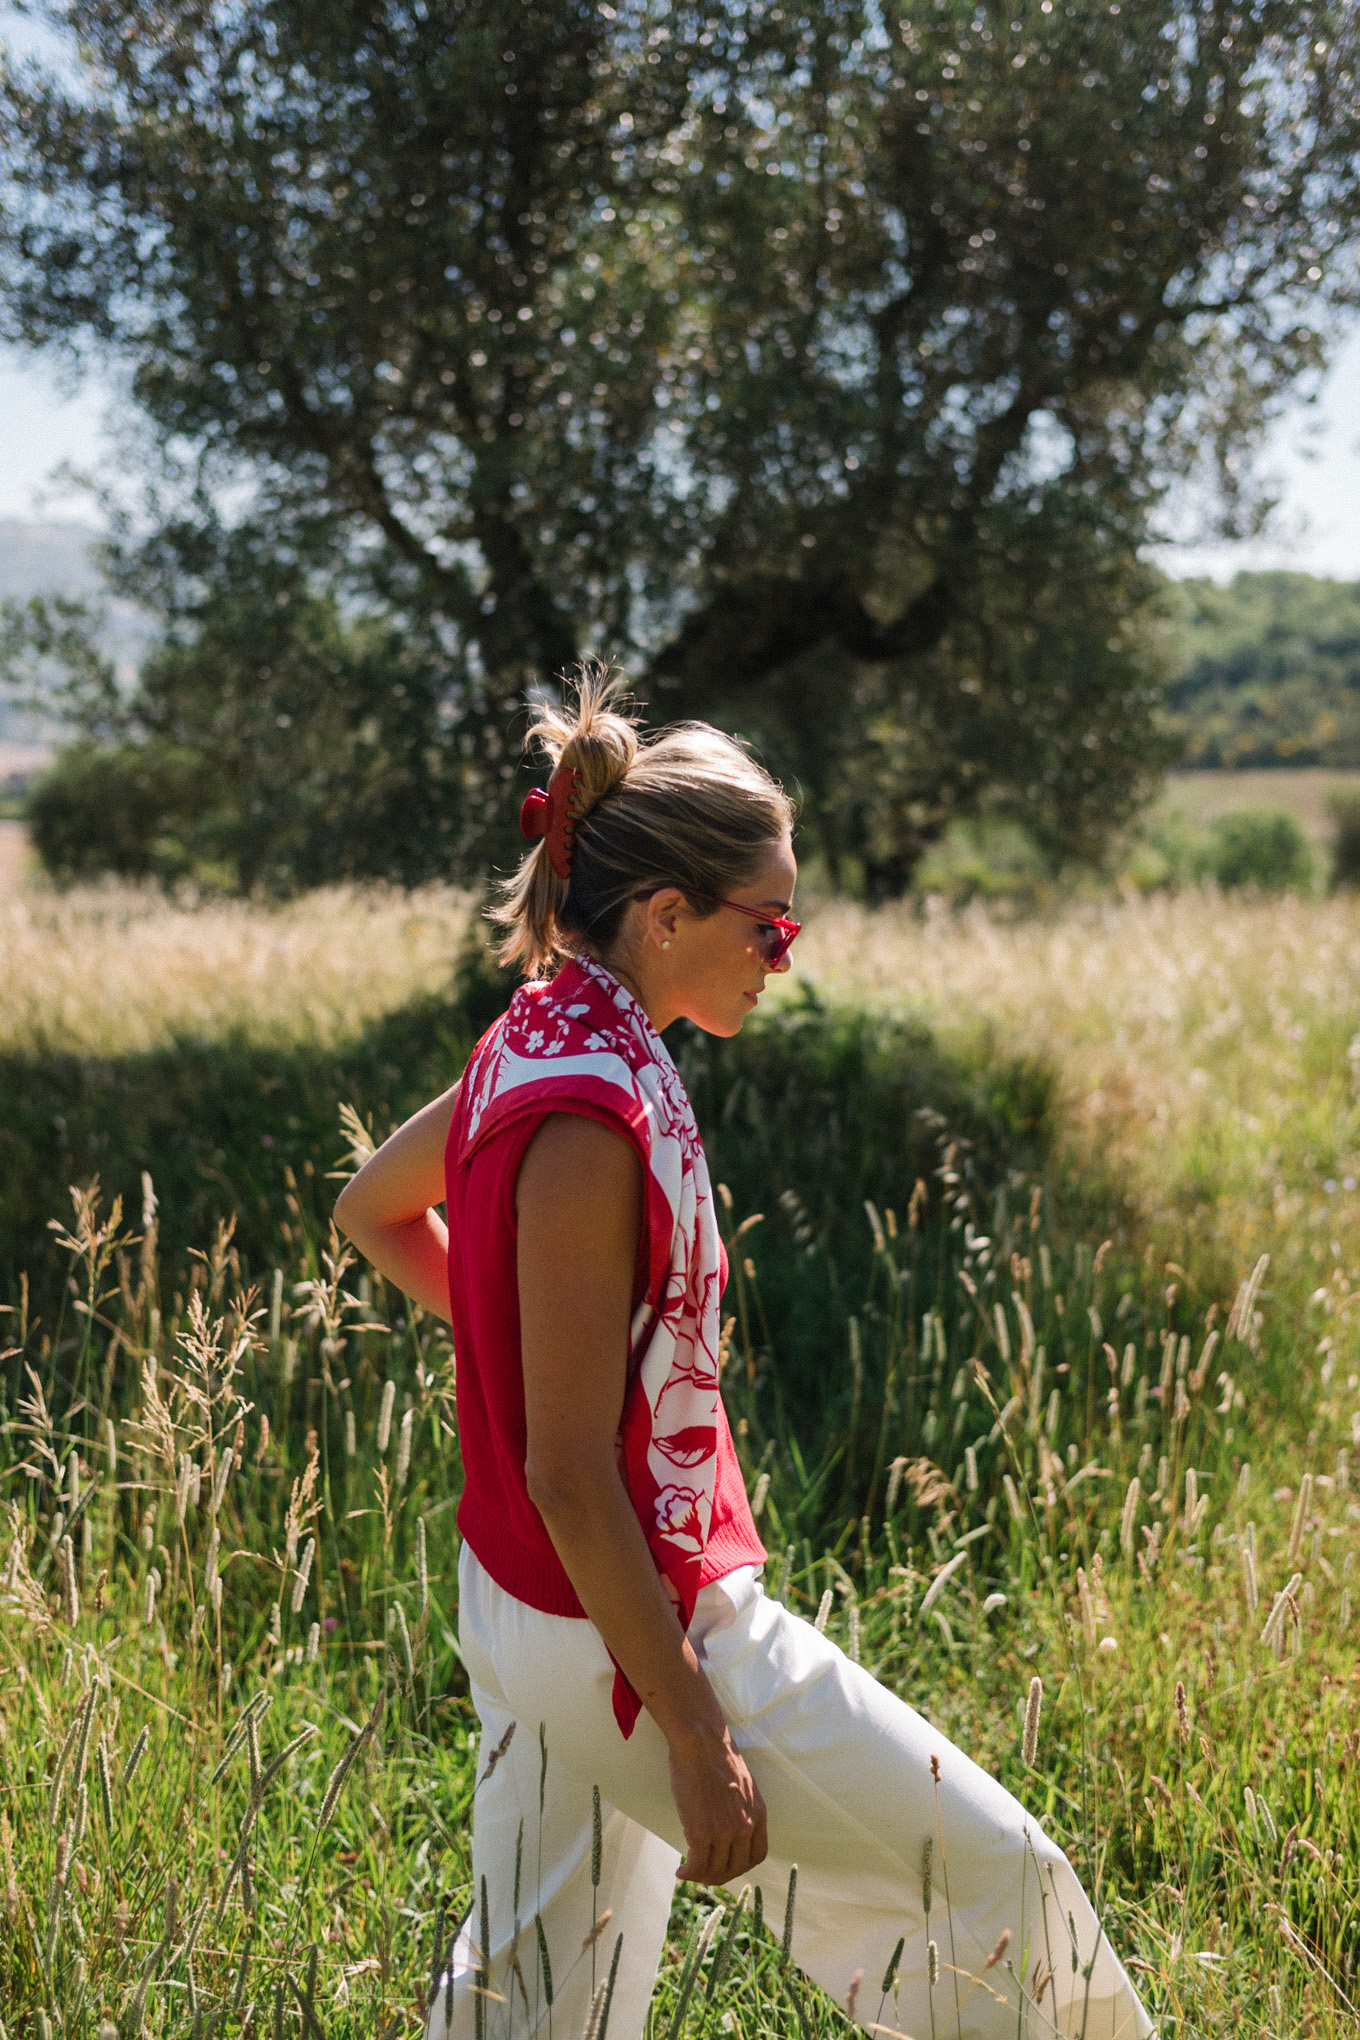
{"points": [[1087, 1607], [1029, 1746]]}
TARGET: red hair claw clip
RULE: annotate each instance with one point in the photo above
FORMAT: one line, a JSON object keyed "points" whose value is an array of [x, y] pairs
{"points": [[549, 815]]}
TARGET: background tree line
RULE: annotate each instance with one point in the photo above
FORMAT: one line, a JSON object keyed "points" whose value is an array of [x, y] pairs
{"points": [[823, 363], [1266, 672]]}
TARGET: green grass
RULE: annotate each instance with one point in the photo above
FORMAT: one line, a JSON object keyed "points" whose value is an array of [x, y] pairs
{"points": [[1216, 1906], [1161, 1075]]}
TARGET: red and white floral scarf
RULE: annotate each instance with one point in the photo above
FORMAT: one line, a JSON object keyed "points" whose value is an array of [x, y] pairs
{"points": [[582, 1041]]}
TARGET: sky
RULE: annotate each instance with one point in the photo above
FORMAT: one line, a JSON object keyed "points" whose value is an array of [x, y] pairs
{"points": [[1313, 453], [1312, 457]]}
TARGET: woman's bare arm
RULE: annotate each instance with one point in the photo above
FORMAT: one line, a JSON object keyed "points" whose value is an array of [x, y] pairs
{"points": [[579, 1210], [388, 1208]]}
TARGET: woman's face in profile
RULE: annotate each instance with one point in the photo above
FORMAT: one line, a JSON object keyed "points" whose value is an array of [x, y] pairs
{"points": [[718, 961]]}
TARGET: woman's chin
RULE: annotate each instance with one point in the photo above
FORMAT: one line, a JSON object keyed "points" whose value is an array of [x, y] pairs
{"points": [[723, 1025], [722, 1018]]}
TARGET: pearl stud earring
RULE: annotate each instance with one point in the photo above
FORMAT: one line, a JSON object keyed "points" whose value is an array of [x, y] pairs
{"points": [[667, 943]]}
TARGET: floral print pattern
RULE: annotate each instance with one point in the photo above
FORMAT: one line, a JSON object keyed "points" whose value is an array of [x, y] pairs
{"points": [[584, 1038]]}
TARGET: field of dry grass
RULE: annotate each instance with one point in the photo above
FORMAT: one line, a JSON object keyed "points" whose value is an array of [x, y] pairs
{"points": [[118, 969], [1206, 1046], [14, 858]]}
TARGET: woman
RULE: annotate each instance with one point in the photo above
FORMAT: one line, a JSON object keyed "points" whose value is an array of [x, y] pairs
{"points": [[611, 1615]]}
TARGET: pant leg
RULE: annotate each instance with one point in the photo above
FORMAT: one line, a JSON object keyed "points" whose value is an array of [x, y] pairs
{"points": [[538, 1814], [845, 1770]]}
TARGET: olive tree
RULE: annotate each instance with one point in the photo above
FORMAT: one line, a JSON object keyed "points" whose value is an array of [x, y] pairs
{"points": [[825, 363]]}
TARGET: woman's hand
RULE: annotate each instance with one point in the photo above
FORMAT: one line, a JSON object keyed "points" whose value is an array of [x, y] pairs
{"points": [[720, 1808]]}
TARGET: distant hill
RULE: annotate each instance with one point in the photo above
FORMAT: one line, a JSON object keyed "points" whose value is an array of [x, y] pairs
{"points": [[54, 559], [1268, 671]]}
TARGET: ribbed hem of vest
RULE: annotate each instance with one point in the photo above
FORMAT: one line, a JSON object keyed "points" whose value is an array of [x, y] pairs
{"points": [[542, 1583], [525, 1575], [732, 1544]]}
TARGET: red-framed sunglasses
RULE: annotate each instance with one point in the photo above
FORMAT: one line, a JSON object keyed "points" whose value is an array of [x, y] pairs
{"points": [[775, 933]]}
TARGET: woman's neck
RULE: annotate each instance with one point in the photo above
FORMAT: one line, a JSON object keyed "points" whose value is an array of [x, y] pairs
{"points": [[634, 983]]}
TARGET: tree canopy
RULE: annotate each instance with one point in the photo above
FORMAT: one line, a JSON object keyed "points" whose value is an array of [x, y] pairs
{"points": [[1267, 671], [824, 363]]}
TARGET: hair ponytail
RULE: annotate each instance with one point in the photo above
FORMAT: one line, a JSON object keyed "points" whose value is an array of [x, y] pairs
{"points": [[687, 807]]}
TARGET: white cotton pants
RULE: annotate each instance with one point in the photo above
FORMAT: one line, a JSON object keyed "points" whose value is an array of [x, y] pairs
{"points": [[845, 1770]]}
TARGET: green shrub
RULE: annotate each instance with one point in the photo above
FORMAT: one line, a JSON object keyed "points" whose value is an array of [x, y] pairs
{"points": [[987, 859], [273, 743], [1166, 852], [1262, 847], [1344, 811], [134, 810], [1259, 846]]}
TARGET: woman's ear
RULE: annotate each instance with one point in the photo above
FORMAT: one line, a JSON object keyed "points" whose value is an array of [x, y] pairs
{"points": [[663, 916]]}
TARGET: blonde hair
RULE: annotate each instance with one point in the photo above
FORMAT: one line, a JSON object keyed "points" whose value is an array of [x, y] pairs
{"points": [[687, 807]]}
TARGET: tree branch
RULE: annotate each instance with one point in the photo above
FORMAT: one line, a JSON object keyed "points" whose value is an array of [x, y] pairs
{"points": [[753, 628]]}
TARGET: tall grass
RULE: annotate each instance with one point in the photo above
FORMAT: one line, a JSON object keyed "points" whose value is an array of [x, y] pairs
{"points": [[122, 970], [1203, 1043], [177, 1434], [240, 1760], [1207, 1047]]}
